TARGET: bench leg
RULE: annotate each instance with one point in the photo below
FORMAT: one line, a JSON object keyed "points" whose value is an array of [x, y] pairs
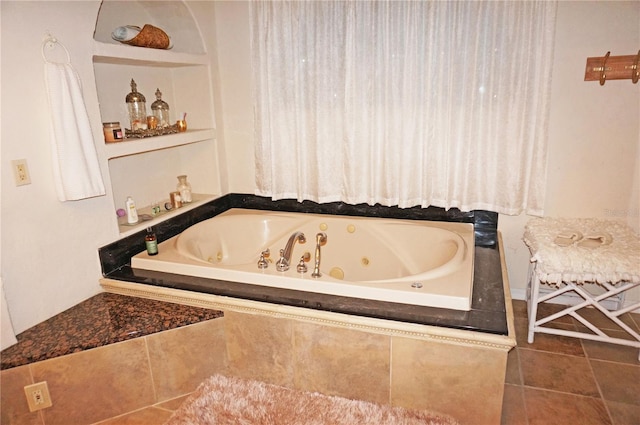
{"points": [[533, 289]]}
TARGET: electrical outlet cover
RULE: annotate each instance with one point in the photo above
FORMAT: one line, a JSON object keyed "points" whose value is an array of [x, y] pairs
{"points": [[38, 396], [20, 172]]}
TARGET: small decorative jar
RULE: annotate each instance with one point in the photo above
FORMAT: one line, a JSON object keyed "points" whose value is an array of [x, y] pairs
{"points": [[136, 105], [160, 110], [184, 187], [112, 132]]}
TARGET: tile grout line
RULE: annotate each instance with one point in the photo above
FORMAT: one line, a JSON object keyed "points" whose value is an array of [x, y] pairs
{"points": [[561, 392], [522, 396], [555, 352], [153, 381], [595, 379]]}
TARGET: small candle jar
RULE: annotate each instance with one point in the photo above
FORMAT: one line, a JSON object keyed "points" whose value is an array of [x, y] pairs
{"points": [[152, 122], [112, 132], [176, 200]]}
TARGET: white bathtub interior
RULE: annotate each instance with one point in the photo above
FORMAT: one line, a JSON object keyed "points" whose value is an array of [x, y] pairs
{"points": [[403, 261]]}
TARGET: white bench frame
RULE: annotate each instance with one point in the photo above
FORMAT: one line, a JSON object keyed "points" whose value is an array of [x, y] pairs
{"points": [[534, 298]]}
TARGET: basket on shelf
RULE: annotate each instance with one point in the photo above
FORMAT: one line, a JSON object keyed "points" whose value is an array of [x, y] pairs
{"points": [[150, 36]]}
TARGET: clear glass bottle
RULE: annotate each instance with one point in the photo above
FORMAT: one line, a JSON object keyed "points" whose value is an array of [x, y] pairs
{"points": [[160, 110], [184, 187], [136, 106]]}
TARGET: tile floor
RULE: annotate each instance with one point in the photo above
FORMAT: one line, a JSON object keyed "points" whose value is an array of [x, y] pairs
{"points": [[562, 380], [555, 380]]}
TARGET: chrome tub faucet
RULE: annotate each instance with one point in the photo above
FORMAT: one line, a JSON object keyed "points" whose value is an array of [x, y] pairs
{"points": [[285, 254]]}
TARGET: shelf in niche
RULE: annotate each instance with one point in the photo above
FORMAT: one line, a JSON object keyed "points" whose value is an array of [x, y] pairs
{"points": [[141, 56], [135, 146], [129, 229]]}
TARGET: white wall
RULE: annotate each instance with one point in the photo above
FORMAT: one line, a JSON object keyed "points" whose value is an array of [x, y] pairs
{"points": [[236, 97], [49, 249], [594, 131]]}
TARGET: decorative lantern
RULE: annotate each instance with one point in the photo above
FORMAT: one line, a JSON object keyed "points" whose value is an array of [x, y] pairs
{"points": [[137, 108], [160, 110]]}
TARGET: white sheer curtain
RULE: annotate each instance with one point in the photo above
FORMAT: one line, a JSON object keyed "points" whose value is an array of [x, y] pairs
{"points": [[403, 103]]}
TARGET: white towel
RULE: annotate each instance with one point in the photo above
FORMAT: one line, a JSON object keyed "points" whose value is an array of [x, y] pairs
{"points": [[75, 161]]}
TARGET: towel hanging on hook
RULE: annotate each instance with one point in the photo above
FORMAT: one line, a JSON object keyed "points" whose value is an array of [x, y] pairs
{"points": [[75, 165], [50, 42]]}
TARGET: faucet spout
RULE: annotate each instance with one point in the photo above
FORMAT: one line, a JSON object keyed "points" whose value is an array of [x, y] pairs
{"points": [[321, 239], [285, 254]]}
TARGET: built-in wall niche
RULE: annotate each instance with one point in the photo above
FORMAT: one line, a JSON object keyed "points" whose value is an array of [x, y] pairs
{"points": [[151, 177], [147, 168], [186, 89], [173, 17]]}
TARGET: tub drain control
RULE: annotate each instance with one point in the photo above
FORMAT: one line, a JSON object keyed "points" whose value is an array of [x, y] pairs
{"points": [[416, 285]]}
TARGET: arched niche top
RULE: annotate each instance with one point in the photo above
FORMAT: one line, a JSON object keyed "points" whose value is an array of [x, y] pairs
{"points": [[174, 17]]}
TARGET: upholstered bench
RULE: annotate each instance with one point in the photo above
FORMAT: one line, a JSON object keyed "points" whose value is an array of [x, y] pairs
{"points": [[595, 261]]}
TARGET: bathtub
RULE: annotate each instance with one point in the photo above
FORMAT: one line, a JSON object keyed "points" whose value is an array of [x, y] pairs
{"points": [[413, 262]]}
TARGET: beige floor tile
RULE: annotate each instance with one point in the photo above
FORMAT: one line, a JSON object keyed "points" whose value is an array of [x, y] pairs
{"points": [[550, 343], [13, 406], [513, 411], [513, 368], [359, 362], [146, 416], [172, 404], [97, 384], [601, 321], [260, 347], [624, 414], [552, 408], [557, 372], [635, 318], [547, 309], [184, 357], [618, 382], [612, 352], [519, 309]]}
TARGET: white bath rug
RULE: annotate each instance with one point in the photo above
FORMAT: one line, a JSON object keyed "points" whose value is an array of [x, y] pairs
{"points": [[222, 400]]}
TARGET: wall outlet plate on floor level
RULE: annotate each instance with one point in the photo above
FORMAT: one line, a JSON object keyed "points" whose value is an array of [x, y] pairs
{"points": [[38, 396]]}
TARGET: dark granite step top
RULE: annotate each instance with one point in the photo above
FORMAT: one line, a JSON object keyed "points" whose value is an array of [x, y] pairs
{"points": [[101, 320]]}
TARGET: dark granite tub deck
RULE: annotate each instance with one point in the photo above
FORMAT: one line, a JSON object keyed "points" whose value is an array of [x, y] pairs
{"points": [[101, 320]]}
